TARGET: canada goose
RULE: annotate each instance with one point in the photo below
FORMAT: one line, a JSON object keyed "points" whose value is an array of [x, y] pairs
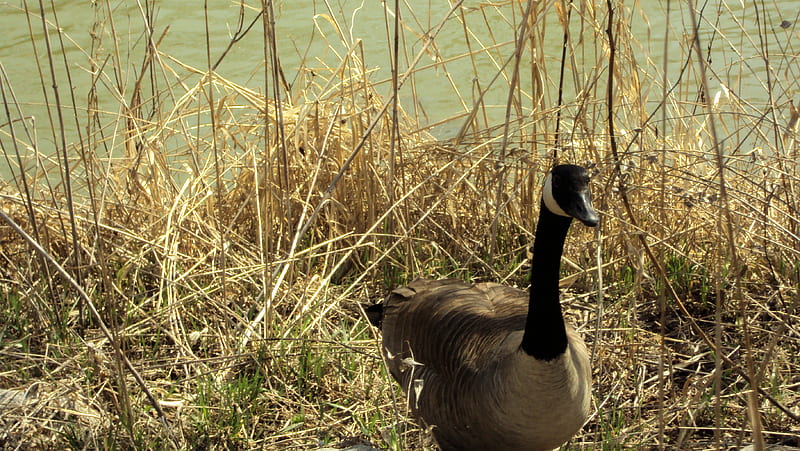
{"points": [[491, 366]]}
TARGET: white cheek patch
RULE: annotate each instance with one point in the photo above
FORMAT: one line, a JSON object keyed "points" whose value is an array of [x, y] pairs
{"points": [[549, 200]]}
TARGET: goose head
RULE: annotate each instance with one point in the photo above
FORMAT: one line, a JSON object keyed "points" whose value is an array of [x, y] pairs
{"points": [[566, 193]]}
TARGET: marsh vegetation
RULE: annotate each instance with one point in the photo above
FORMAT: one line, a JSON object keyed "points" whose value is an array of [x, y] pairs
{"points": [[188, 270]]}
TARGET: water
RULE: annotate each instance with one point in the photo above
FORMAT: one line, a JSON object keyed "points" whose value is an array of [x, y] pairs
{"points": [[310, 32]]}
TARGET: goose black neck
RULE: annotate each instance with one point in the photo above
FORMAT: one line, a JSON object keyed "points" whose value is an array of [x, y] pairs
{"points": [[545, 336]]}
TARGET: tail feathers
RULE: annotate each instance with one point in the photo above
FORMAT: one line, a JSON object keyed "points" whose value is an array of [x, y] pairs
{"points": [[375, 314]]}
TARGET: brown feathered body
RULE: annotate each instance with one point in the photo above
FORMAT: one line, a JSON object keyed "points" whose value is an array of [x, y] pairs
{"points": [[455, 349]]}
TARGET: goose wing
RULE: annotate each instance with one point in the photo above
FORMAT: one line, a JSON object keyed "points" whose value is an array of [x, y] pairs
{"points": [[450, 327]]}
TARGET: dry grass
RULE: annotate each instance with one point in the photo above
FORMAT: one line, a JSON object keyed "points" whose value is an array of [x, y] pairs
{"points": [[223, 240]]}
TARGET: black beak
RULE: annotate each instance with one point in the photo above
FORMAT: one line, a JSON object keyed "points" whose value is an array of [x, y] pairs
{"points": [[580, 207]]}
